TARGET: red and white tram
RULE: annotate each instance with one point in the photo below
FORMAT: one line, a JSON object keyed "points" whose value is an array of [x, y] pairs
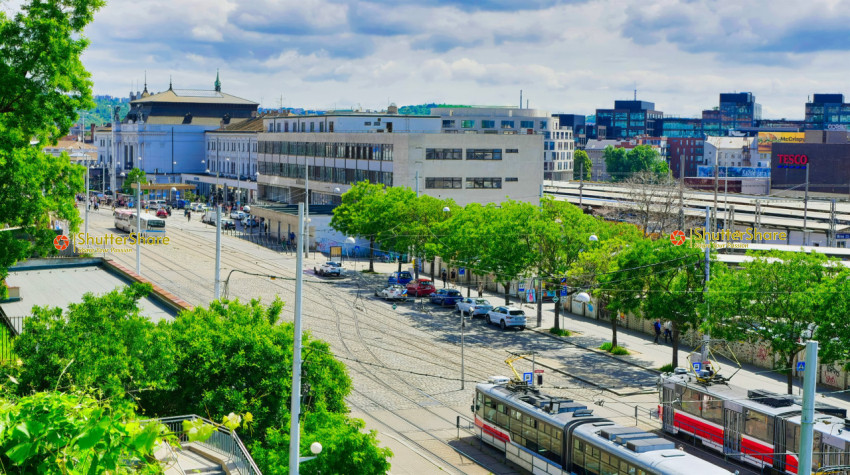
{"points": [[757, 427], [551, 435]]}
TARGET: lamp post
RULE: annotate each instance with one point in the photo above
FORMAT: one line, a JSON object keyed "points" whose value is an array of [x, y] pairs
{"points": [[295, 402], [217, 289], [87, 202], [350, 241], [138, 222]]}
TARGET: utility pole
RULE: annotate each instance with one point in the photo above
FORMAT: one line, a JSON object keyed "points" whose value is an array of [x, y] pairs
{"points": [[307, 205], [758, 217], [138, 225], [581, 182], [87, 201], [831, 237], [712, 225], [217, 245], [810, 373], [731, 223], [706, 338], [682, 193], [540, 278], [806, 210], [295, 402]]}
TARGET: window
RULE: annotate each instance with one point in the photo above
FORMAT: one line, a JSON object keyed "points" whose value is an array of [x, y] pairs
{"points": [[511, 150], [507, 124], [512, 178], [467, 124], [367, 123], [542, 124], [443, 183], [758, 425], [483, 154], [480, 183], [526, 124], [448, 123], [488, 124], [443, 154]]}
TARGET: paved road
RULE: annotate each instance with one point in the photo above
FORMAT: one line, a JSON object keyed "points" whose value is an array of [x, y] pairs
{"points": [[405, 362]]}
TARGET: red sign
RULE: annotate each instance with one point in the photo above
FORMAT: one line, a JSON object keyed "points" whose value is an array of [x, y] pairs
{"points": [[677, 238], [538, 370], [790, 159]]}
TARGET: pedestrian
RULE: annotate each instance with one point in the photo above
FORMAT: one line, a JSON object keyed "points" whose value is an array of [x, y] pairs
{"points": [[453, 275], [444, 274], [96, 205], [657, 327], [668, 331], [188, 216]]}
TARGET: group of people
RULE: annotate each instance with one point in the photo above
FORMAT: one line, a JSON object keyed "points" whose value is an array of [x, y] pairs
{"points": [[667, 328]]}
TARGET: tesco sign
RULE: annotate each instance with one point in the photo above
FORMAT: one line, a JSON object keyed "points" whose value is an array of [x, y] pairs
{"points": [[791, 159]]}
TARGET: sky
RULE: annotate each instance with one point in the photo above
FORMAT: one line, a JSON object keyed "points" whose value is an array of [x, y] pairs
{"points": [[569, 56]]}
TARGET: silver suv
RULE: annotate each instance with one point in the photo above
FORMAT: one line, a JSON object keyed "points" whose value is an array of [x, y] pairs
{"points": [[507, 317]]}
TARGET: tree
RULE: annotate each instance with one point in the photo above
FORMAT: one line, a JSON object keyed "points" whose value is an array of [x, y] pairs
{"points": [[653, 201], [42, 82], [616, 163], [621, 164], [777, 298], [361, 214], [133, 176], [581, 162], [58, 433], [102, 343]]}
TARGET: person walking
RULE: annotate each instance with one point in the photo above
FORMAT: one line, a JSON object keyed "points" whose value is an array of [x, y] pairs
{"points": [[657, 327], [444, 274], [668, 331], [188, 216]]}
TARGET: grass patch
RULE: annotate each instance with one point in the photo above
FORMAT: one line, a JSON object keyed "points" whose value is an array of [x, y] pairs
{"points": [[668, 368], [614, 350], [367, 271], [559, 331]]}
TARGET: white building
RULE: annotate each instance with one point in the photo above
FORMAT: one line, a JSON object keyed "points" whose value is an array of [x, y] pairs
{"points": [[733, 152], [163, 133], [558, 144]]}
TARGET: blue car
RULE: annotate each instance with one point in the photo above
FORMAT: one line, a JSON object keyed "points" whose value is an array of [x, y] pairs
{"points": [[402, 278], [446, 297]]}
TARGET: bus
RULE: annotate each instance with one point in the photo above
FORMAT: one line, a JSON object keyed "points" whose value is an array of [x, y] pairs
{"points": [[125, 220]]}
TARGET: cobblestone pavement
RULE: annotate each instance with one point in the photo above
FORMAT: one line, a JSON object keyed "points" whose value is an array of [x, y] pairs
{"points": [[405, 362]]}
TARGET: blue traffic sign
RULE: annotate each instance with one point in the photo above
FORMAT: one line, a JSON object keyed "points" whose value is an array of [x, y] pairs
{"points": [[697, 367], [528, 377], [801, 366], [460, 271], [590, 307], [842, 236], [521, 288], [563, 280], [563, 292]]}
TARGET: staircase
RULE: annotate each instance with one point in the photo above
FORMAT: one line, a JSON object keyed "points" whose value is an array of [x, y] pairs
{"points": [[222, 454]]}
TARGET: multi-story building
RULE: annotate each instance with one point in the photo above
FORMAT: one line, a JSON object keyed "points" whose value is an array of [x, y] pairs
{"points": [[827, 112], [577, 123], [558, 144], [731, 152], [685, 154], [163, 133], [736, 111], [628, 119], [682, 127]]}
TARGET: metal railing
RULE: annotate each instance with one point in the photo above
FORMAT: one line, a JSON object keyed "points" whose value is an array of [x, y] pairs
{"points": [[222, 441]]}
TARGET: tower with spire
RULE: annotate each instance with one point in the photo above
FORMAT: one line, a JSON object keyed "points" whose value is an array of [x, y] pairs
{"points": [[217, 82]]}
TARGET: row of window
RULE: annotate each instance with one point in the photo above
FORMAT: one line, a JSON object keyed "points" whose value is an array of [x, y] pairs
{"points": [[471, 183], [284, 126], [326, 174], [537, 436], [230, 146], [491, 124], [357, 151], [471, 153], [589, 459]]}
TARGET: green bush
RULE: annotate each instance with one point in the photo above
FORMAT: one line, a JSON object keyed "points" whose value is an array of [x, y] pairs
{"points": [[668, 368], [559, 331], [606, 346], [614, 350]]}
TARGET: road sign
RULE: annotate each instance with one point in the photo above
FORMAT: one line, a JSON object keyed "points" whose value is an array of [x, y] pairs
{"points": [[522, 288], [555, 299], [697, 367], [801, 366], [563, 293], [527, 377], [590, 307], [395, 306], [563, 280], [460, 271], [538, 370], [842, 236]]}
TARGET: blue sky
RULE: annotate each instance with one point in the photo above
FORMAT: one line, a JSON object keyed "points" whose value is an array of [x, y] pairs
{"points": [[567, 56]]}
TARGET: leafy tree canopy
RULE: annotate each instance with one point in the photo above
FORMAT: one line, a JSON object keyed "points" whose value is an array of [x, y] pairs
{"points": [[581, 162], [133, 176], [621, 164]]}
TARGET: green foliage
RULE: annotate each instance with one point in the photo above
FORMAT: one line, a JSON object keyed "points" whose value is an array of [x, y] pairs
{"points": [[668, 368], [61, 433], [101, 113], [42, 82], [581, 161], [614, 350], [559, 331], [622, 164], [102, 343], [606, 346], [424, 109], [133, 176], [237, 357], [346, 447]]}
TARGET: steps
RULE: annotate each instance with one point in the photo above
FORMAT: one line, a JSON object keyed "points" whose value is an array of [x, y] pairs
{"points": [[195, 459]]}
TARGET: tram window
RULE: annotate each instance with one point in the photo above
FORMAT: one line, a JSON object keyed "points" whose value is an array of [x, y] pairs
{"points": [[712, 409], [489, 410], [479, 405], [758, 425], [691, 401], [578, 454], [502, 415]]}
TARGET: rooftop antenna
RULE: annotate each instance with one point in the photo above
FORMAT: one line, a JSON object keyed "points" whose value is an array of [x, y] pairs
{"points": [[520, 98], [635, 90], [526, 103]]}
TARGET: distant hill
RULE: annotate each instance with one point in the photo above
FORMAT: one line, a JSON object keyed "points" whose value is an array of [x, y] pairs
{"points": [[423, 109], [100, 115]]}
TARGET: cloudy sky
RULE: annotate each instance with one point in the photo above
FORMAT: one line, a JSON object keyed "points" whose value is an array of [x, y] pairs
{"points": [[567, 56]]}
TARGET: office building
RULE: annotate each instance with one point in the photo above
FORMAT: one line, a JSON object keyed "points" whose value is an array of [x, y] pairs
{"points": [[628, 119], [827, 112]]}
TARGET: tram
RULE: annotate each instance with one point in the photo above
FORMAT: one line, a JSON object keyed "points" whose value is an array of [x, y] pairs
{"points": [[757, 427], [552, 435]]}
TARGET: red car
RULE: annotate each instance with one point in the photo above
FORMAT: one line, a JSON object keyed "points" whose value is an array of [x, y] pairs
{"points": [[162, 213], [420, 287]]}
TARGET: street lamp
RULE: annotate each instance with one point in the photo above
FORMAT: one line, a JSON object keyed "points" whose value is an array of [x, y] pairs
{"points": [[315, 449], [138, 222], [217, 289], [350, 241], [173, 190]]}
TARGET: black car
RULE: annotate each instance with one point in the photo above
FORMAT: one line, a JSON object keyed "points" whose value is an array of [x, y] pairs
{"points": [[227, 224]]}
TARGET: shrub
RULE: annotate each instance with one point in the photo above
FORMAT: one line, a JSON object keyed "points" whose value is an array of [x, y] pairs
{"points": [[606, 346], [559, 331], [668, 368], [619, 350]]}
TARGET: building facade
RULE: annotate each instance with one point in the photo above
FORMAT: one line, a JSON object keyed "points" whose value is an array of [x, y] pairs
{"points": [[482, 168], [558, 143], [628, 119], [685, 155], [827, 112]]}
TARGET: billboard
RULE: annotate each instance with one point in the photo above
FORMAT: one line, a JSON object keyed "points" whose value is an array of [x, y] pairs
{"points": [[707, 171], [766, 139]]}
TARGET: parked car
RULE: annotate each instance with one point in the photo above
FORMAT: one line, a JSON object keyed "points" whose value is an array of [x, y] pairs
{"points": [[162, 213], [393, 292], [239, 215], [330, 269], [250, 222], [507, 317], [402, 278], [421, 287], [474, 307], [446, 297], [227, 224]]}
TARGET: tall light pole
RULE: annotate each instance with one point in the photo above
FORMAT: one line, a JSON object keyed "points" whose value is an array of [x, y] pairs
{"points": [[87, 201], [307, 203], [295, 402], [217, 239], [806, 210], [238, 172], [448, 210]]}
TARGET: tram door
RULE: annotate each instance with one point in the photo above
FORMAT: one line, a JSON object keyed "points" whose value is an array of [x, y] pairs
{"points": [[667, 410], [731, 432], [779, 444]]}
